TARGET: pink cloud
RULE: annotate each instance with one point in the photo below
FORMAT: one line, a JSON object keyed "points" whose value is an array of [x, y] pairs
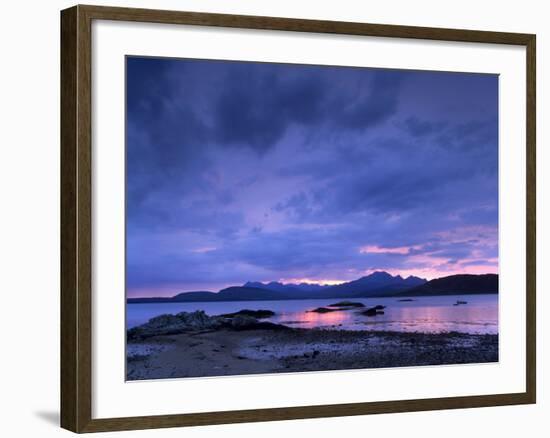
{"points": [[375, 249]]}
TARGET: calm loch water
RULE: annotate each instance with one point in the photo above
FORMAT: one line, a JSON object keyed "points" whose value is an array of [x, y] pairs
{"points": [[424, 314]]}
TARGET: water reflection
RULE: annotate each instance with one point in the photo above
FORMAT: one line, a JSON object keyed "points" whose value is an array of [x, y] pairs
{"points": [[424, 314]]}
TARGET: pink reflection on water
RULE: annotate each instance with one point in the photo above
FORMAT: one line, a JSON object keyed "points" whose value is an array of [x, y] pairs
{"points": [[309, 319], [410, 317], [315, 319], [423, 314]]}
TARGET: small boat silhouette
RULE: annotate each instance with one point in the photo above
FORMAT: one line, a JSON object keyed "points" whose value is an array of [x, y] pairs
{"points": [[458, 303]]}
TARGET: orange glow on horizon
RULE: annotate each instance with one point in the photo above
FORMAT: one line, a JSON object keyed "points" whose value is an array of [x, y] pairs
{"points": [[311, 281]]}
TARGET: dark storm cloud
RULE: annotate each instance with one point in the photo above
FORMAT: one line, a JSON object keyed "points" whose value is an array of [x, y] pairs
{"points": [[260, 102], [249, 171], [379, 104], [258, 105]]}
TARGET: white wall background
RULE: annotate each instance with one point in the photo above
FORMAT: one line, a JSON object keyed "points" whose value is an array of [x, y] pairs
{"points": [[29, 215]]}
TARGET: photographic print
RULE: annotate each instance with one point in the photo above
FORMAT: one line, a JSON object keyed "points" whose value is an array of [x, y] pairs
{"points": [[286, 218]]}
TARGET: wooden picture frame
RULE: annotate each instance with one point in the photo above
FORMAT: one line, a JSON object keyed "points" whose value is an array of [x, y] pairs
{"points": [[76, 218]]}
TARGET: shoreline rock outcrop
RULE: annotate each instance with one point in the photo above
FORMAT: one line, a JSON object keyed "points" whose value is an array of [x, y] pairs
{"points": [[199, 321]]}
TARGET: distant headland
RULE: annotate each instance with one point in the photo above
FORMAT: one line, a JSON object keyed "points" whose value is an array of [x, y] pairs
{"points": [[377, 284]]}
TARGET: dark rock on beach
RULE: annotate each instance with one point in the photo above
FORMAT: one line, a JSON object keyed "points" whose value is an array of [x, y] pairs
{"points": [[199, 321], [347, 304], [340, 305], [323, 310], [373, 311], [241, 322], [260, 314], [174, 324]]}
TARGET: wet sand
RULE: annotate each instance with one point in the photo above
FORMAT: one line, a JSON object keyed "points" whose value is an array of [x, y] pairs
{"points": [[232, 352]]}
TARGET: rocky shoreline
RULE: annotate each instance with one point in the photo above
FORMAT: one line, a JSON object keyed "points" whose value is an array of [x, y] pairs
{"points": [[193, 344]]}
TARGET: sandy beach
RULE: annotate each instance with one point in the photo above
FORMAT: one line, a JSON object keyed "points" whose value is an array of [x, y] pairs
{"points": [[223, 351]]}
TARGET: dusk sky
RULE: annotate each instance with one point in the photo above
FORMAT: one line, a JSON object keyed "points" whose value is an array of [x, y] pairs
{"points": [[242, 171]]}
